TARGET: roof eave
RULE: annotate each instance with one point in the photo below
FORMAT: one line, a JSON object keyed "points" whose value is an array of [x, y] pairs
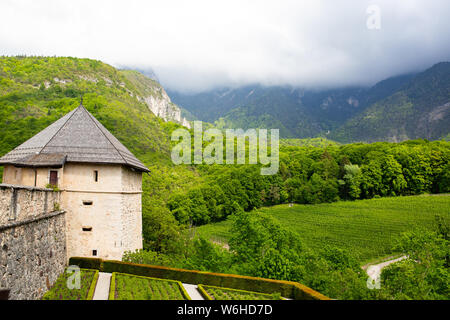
{"points": [[141, 169], [60, 165], [138, 168]]}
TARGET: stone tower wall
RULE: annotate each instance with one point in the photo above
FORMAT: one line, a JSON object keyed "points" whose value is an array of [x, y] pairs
{"points": [[103, 216]]}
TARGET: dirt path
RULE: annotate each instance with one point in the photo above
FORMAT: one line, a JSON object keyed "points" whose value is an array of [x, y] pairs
{"points": [[222, 244], [374, 270], [379, 261]]}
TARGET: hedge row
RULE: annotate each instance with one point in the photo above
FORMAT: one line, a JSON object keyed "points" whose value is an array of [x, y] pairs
{"points": [[203, 293], [86, 263], [91, 292], [112, 287], [288, 289]]}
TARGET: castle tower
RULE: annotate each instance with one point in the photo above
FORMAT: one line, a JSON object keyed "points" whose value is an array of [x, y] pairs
{"points": [[100, 180]]}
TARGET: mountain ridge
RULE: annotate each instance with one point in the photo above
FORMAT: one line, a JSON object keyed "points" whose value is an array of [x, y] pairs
{"points": [[419, 109], [302, 113]]}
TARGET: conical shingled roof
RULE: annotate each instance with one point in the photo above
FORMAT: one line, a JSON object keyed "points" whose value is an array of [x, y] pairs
{"points": [[76, 137]]}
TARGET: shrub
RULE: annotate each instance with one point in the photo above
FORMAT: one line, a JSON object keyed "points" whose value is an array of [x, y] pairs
{"points": [[218, 293], [86, 263], [131, 287], [60, 290]]}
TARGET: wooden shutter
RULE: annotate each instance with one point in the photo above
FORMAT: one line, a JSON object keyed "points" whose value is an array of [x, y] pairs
{"points": [[54, 178]]}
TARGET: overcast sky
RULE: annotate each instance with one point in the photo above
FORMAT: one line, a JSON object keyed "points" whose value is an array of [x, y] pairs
{"points": [[196, 45]]}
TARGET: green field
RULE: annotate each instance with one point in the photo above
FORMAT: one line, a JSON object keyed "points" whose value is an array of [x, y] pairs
{"points": [[366, 228]]}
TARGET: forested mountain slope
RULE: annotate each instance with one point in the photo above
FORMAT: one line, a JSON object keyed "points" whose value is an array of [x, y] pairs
{"points": [[396, 109], [419, 109], [35, 92]]}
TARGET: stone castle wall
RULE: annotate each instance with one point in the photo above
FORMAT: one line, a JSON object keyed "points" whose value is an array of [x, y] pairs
{"points": [[32, 240]]}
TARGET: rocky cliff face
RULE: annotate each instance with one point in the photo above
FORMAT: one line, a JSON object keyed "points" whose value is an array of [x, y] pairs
{"points": [[163, 107], [153, 94]]}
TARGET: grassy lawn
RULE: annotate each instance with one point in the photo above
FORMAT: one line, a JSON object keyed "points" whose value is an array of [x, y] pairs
{"points": [[216, 293], [366, 228], [130, 287], [60, 290]]}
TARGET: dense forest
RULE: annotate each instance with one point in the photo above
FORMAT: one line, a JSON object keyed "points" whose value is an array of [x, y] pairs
{"points": [[311, 175], [36, 91]]}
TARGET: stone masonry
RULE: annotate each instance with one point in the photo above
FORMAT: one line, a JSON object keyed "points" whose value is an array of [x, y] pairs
{"points": [[32, 240]]}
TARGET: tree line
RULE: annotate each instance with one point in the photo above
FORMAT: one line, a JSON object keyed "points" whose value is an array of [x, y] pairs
{"points": [[311, 175]]}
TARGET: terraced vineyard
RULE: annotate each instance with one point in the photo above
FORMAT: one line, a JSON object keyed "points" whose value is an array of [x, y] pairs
{"points": [[61, 291], [217, 293], [366, 228], [131, 287]]}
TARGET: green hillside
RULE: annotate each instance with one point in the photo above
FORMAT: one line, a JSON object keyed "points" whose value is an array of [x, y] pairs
{"points": [[420, 109], [35, 92], [366, 228]]}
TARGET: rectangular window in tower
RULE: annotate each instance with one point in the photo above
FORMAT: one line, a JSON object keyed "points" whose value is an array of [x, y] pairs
{"points": [[94, 253], [95, 175], [4, 294], [53, 179]]}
